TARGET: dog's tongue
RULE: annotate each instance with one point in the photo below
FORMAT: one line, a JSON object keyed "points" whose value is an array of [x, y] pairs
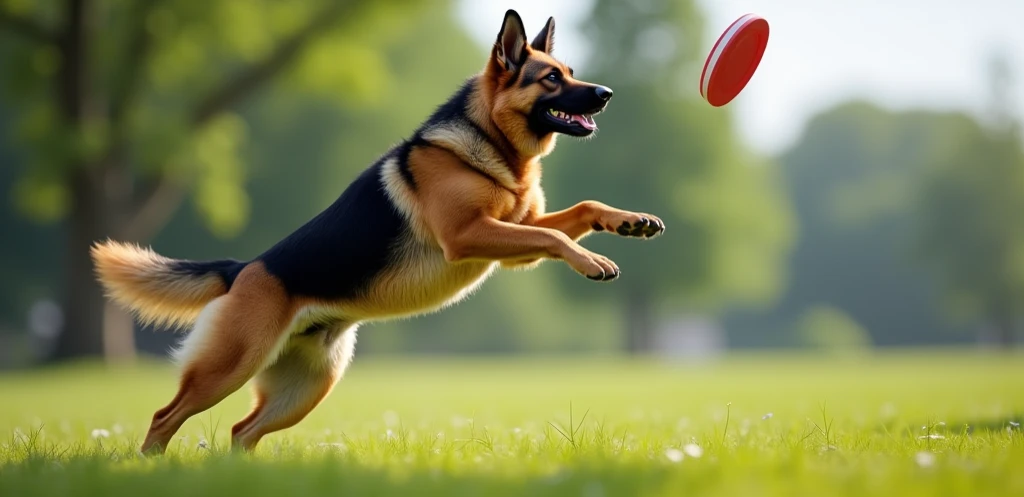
{"points": [[585, 121]]}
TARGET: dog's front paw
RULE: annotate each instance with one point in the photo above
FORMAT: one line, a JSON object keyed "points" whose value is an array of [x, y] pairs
{"points": [[633, 224], [594, 266]]}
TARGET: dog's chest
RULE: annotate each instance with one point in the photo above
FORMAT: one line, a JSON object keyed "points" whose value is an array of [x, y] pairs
{"points": [[422, 280], [515, 205]]}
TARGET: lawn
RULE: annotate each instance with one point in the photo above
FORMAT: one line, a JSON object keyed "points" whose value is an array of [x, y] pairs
{"points": [[901, 423]]}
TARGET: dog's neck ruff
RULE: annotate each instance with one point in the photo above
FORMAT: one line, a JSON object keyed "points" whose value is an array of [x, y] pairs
{"points": [[467, 141]]}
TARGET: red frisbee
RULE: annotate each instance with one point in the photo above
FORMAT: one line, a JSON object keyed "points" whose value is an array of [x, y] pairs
{"points": [[733, 60]]}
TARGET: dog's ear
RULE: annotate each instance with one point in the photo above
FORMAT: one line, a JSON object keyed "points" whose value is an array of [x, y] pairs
{"points": [[545, 40], [511, 42]]}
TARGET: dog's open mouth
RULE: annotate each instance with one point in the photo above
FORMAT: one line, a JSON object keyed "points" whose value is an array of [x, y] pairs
{"points": [[584, 120]]}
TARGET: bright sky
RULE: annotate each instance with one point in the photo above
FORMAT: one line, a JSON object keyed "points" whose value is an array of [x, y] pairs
{"points": [[899, 53]]}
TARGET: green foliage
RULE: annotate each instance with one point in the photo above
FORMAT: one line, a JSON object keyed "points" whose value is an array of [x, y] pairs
{"points": [[215, 153], [853, 178], [784, 425], [662, 150], [830, 329], [152, 65], [969, 232]]}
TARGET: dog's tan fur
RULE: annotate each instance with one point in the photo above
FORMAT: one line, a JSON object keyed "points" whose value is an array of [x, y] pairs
{"points": [[138, 279]]}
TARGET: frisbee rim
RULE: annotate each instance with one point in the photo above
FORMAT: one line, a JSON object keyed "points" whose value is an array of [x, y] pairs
{"points": [[725, 40]]}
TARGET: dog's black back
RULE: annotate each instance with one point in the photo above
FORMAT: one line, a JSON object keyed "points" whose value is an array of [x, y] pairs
{"points": [[337, 253]]}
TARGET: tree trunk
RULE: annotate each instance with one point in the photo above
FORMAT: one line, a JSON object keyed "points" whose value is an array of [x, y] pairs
{"points": [[639, 322], [118, 324], [118, 334], [82, 336], [94, 327], [91, 213]]}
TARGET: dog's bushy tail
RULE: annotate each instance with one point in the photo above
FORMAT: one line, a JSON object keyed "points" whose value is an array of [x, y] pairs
{"points": [[159, 290]]}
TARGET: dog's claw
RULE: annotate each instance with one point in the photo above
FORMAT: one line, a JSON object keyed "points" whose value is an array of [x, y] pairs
{"points": [[645, 227], [605, 276], [655, 228]]}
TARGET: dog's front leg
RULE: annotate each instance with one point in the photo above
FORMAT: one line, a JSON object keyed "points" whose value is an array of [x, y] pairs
{"points": [[490, 239], [590, 215]]}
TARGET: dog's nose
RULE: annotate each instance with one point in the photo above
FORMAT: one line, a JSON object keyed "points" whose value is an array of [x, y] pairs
{"points": [[603, 92]]}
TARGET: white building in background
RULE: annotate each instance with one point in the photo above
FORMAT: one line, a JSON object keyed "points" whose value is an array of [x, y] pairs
{"points": [[689, 338]]}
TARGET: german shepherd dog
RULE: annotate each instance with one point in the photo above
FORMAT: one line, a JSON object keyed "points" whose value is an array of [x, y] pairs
{"points": [[418, 230]]}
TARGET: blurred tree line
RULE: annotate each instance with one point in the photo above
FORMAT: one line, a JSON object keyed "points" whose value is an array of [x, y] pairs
{"points": [[255, 115], [909, 226]]}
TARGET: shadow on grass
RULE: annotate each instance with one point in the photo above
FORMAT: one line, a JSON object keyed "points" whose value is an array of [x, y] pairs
{"points": [[231, 474]]}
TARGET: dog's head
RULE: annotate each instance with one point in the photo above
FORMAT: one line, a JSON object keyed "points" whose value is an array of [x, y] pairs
{"points": [[535, 96]]}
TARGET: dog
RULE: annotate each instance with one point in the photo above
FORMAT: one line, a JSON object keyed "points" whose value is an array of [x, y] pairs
{"points": [[418, 230]]}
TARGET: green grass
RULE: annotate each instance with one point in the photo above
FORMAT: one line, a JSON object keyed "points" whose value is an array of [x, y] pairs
{"points": [[906, 424]]}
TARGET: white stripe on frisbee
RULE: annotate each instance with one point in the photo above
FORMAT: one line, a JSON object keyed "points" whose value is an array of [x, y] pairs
{"points": [[719, 48]]}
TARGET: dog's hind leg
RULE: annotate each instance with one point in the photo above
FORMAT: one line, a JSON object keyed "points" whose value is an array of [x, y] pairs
{"points": [[235, 337], [304, 374]]}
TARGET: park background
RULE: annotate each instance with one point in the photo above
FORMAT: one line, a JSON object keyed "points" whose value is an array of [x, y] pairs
{"points": [[864, 192]]}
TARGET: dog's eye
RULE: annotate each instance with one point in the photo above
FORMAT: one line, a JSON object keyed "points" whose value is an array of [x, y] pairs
{"points": [[553, 77]]}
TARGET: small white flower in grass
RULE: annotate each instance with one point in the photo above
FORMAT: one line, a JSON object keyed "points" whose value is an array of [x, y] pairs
{"points": [[1014, 424], [674, 455], [924, 459], [767, 416], [932, 437], [390, 434], [100, 433], [693, 450], [203, 444]]}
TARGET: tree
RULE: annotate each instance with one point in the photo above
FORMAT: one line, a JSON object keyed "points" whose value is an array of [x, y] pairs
{"points": [[970, 232], [661, 149], [125, 106], [852, 178]]}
